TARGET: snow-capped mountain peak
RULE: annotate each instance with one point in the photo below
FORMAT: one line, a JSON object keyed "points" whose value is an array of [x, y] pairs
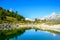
{"points": [[53, 16]]}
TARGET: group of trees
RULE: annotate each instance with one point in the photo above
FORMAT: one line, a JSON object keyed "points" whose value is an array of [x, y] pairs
{"points": [[6, 13]]}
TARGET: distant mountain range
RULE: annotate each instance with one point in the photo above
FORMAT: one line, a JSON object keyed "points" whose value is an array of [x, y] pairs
{"points": [[30, 19], [52, 17]]}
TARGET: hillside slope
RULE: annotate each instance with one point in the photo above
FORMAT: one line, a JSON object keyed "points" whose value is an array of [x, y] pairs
{"points": [[9, 16]]}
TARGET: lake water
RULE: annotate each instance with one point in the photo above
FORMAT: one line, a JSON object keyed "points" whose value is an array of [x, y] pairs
{"points": [[37, 35]]}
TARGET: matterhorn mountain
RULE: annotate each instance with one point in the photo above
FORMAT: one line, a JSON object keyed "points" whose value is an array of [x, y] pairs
{"points": [[53, 17]]}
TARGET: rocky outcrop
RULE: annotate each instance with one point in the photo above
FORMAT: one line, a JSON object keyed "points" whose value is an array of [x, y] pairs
{"points": [[8, 26]]}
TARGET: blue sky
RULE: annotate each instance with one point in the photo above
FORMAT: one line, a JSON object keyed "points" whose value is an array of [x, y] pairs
{"points": [[32, 8]]}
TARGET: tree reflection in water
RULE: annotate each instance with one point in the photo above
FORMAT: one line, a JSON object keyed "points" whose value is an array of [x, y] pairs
{"points": [[6, 36]]}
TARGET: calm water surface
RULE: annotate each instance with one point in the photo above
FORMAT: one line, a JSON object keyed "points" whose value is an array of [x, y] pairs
{"points": [[37, 35]]}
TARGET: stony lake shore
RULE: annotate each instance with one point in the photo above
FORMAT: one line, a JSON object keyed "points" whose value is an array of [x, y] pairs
{"points": [[9, 30], [37, 26]]}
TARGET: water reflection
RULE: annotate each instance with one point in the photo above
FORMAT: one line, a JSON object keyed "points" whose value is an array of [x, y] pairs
{"points": [[53, 34], [38, 35], [3, 36], [32, 33]]}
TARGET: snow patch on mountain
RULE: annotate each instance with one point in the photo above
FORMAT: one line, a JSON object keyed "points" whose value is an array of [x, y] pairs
{"points": [[53, 16], [30, 19]]}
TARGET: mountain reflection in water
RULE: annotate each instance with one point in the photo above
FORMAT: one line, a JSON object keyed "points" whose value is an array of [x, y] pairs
{"points": [[31, 34]]}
